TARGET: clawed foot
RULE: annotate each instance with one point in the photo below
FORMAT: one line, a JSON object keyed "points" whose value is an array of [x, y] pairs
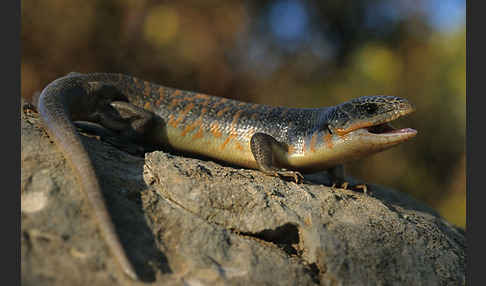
{"points": [[345, 186], [363, 187], [296, 176]]}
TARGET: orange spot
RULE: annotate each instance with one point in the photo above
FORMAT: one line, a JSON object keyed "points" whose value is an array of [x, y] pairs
{"points": [[161, 95], [238, 146], [228, 139], [193, 126], [222, 111], [201, 95], [199, 134], [188, 98], [328, 140], [215, 130], [359, 125], [171, 119], [254, 116], [290, 149], [217, 133], [188, 108], [174, 123], [236, 117], [176, 92], [137, 82], [183, 114], [188, 128], [313, 142], [174, 102], [147, 105], [196, 123]]}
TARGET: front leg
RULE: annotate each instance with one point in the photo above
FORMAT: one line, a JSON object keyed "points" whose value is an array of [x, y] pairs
{"points": [[337, 178], [262, 145]]}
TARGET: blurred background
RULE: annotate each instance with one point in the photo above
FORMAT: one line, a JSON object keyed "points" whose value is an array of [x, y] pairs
{"points": [[285, 52]]}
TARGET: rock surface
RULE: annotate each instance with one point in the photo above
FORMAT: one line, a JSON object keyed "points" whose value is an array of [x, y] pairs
{"points": [[186, 221]]}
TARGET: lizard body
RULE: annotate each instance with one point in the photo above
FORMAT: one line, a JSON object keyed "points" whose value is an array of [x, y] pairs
{"points": [[279, 141]]}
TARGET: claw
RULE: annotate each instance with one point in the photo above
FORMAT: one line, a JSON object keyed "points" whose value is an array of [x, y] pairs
{"points": [[363, 187], [345, 186], [297, 176]]}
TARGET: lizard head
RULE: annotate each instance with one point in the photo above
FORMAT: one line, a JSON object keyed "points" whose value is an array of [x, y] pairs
{"points": [[352, 130], [372, 113], [366, 120]]}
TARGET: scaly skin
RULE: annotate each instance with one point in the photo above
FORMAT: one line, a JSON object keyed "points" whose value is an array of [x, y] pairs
{"points": [[278, 141]]}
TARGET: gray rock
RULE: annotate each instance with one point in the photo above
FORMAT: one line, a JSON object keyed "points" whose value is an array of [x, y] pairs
{"points": [[186, 221]]}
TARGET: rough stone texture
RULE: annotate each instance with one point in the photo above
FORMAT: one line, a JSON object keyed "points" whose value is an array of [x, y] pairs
{"points": [[186, 221]]}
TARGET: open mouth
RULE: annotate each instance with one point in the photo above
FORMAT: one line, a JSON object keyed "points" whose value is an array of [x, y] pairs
{"points": [[381, 131], [381, 128], [387, 128]]}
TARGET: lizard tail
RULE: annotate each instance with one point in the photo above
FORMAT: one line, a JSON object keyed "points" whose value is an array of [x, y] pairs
{"points": [[56, 117]]}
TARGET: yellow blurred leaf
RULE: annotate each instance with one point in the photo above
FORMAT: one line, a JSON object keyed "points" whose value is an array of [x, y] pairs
{"points": [[161, 25], [378, 64]]}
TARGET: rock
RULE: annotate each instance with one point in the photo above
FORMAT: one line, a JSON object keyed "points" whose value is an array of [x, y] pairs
{"points": [[195, 222]]}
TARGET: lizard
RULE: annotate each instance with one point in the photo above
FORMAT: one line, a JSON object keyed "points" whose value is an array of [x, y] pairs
{"points": [[278, 141]]}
